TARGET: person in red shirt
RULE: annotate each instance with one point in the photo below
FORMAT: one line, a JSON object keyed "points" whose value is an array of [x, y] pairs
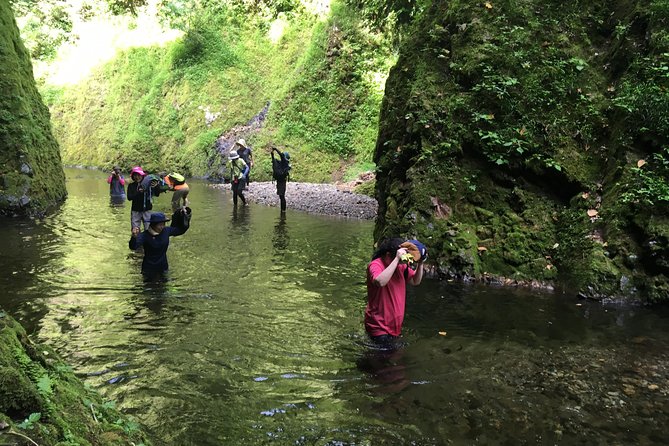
{"points": [[387, 276]]}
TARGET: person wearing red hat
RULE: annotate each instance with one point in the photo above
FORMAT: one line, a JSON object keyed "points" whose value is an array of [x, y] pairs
{"points": [[142, 199], [387, 276]]}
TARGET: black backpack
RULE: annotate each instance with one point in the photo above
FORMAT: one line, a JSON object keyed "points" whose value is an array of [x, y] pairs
{"points": [[280, 168]]}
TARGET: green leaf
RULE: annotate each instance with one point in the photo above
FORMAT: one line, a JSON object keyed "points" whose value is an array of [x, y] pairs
{"points": [[44, 385]]}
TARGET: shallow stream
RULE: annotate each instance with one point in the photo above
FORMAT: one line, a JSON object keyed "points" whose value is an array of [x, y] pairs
{"points": [[256, 336]]}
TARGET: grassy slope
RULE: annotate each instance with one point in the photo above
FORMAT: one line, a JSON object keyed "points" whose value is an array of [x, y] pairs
{"points": [[147, 105]]}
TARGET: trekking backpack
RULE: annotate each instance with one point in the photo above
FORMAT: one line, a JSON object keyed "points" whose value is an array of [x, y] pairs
{"points": [[177, 178], [280, 168]]}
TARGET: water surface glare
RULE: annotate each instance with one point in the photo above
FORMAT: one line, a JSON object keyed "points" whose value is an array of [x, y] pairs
{"points": [[256, 336]]}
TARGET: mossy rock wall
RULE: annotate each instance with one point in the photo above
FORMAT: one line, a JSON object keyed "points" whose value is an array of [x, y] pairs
{"points": [[513, 138], [31, 173], [37, 386]]}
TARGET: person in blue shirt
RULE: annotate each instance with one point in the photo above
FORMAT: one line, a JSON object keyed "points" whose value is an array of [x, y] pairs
{"points": [[156, 239]]}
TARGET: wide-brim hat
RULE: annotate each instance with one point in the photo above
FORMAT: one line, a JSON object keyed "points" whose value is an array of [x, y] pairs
{"points": [[137, 170], [158, 217], [241, 142], [233, 155], [411, 249]]}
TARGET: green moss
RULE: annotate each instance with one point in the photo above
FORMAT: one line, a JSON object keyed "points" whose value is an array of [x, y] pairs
{"points": [[35, 381], [510, 116], [31, 176], [19, 397]]}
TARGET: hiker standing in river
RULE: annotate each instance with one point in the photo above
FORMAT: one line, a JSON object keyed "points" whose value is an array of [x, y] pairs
{"points": [[156, 239], [116, 183], [280, 171], [238, 170], [177, 183], [387, 276], [246, 153], [141, 192]]}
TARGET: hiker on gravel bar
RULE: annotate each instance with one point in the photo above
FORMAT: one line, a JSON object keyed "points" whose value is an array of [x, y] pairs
{"points": [[280, 172], [238, 171], [244, 151]]}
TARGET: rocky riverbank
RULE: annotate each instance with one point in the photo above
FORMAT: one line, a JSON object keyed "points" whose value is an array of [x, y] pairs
{"points": [[325, 199]]}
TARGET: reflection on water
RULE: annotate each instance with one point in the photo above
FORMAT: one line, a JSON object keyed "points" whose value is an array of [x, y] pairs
{"points": [[255, 336]]}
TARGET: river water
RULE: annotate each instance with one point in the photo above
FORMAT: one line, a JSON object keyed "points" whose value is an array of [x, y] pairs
{"points": [[256, 336]]}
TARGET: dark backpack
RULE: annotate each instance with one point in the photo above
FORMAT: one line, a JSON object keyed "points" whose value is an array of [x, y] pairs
{"points": [[280, 168]]}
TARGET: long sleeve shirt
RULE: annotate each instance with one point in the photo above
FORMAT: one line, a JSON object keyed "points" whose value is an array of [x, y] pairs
{"points": [[155, 247], [116, 185]]}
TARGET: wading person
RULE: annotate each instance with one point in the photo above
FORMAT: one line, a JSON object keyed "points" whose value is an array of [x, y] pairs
{"points": [[244, 151], [238, 169], [387, 276], [177, 183], [116, 183], [280, 172], [156, 239], [140, 211]]}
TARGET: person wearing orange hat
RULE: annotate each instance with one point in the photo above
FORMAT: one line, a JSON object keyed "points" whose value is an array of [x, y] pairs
{"points": [[391, 268]]}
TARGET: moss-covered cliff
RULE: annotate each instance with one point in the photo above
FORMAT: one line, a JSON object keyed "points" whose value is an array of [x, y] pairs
{"points": [[42, 400], [527, 140], [31, 173]]}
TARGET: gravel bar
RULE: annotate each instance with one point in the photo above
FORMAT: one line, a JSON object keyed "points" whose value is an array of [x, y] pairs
{"points": [[325, 199]]}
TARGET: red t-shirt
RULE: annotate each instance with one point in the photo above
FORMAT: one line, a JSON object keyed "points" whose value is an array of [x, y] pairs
{"points": [[385, 305]]}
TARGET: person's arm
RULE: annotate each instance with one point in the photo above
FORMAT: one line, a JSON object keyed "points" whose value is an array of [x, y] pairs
{"points": [[175, 231], [136, 239], [385, 276], [109, 180], [246, 170], [251, 156], [121, 180], [416, 279]]}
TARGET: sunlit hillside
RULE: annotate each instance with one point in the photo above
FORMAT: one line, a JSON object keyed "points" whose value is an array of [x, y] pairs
{"points": [[160, 87]]}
